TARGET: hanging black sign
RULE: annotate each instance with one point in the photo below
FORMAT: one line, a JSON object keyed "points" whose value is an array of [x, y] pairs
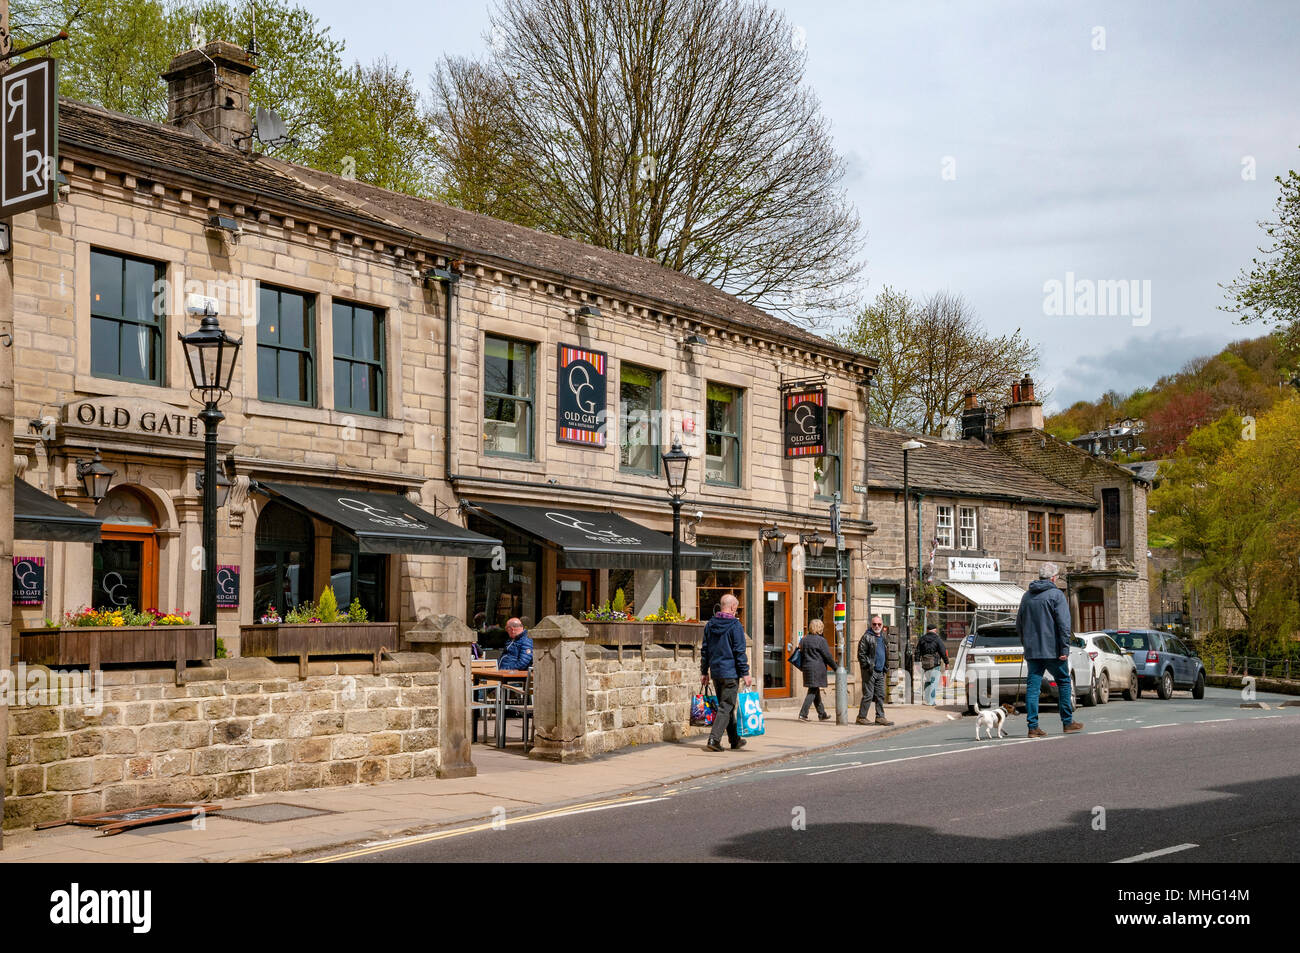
{"points": [[29, 580], [29, 136], [805, 422], [580, 416], [227, 587]]}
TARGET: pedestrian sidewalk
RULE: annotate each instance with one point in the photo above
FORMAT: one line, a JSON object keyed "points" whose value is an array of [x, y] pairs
{"points": [[506, 780]]}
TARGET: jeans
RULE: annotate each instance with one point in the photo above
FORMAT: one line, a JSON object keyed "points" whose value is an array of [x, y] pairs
{"points": [[873, 687], [725, 719], [1064, 687], [814, 696], [930, 685]]}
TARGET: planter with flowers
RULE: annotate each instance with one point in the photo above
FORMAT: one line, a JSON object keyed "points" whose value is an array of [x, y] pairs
{"points": [[319, 628], [613, 625], [119, 635]]}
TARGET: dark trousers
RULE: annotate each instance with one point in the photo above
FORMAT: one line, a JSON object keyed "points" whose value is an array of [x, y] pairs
{"points": [[725, 719], [873, 688], [814, 697]]}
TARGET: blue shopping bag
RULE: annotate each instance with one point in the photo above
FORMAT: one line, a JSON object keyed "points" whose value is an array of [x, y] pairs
{"points": [[749, 714]]}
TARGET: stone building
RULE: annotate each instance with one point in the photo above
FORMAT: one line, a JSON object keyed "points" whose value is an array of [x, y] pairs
{"points": [[348, 298]]}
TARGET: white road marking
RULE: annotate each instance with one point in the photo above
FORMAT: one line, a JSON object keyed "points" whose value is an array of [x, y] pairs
{"points": [[933, 754], [1168, 724], [1155, 853], [1211, 721], [1108, 731]]}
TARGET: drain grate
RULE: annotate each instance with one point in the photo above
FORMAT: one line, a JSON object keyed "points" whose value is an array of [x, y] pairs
{"points": [[272, 813]]}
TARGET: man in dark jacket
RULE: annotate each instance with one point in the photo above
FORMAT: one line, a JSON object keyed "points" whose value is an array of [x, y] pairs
{"points": [[816, 658], [873, 657], [725, 659], [1043, 624], [518, 655], [933, 655]]}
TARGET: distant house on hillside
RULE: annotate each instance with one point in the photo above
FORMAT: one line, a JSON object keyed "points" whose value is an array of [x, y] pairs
{"points": [[1123, 436]]}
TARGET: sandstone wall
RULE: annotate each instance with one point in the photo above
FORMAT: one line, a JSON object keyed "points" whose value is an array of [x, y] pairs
{"points": [[243, 726], [638, 701]]}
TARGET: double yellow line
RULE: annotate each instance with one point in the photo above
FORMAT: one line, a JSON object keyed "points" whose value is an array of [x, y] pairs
{"points": [[485, 826]]}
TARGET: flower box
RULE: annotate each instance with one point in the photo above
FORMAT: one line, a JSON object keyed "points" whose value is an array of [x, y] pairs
{"points": [[642, 635], [303, 639], [94, 646]]}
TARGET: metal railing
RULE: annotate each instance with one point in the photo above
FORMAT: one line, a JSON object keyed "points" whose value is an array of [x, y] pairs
{"points": [[1287, 669]]}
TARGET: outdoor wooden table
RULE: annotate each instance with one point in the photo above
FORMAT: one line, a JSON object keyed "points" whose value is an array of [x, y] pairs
{"points": [[501, 675]]}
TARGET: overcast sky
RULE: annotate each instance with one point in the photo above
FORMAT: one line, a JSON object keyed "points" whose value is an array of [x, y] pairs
{"points": [[994, 147]]}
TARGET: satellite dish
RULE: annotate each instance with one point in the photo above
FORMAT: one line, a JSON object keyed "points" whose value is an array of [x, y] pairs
{"points": [[270, 127]]}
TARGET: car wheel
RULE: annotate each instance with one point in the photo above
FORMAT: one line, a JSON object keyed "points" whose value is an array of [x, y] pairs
{"points": [[1134, 690], [1165, 687], [1198, 690], [1089, 698], [1103, 689]]}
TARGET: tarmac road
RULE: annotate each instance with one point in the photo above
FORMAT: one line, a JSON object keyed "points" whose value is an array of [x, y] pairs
{"points": [[1184, 780]]}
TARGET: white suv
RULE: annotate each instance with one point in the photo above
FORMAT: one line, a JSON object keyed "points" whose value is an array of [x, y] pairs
{"points": [[1113, 667], [994, 655]]}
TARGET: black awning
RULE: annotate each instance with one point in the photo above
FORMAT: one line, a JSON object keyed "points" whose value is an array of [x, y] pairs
{"points": [[593, 540], [39, 516], [385, 522]]}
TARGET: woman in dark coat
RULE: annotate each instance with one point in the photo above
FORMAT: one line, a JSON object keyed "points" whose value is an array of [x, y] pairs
{"points": [[817, 659]]}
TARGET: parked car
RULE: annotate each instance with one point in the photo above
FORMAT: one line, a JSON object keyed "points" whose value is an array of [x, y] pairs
{"points": [[1112, 667], [1163, 661], [994, 652]]}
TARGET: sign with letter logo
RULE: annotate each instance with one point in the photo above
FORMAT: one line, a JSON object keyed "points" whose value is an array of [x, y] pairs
{"points": [[580, 414], [805, 422], [964, 569], [29, 130], [29, 580], [227, 587]]}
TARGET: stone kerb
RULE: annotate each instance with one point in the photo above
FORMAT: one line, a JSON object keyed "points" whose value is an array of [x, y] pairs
{"points": [[560, 689], [449, 639]]}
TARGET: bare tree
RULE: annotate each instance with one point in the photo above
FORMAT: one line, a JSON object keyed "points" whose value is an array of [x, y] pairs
{"points": [[930, 355], [679, 130]]}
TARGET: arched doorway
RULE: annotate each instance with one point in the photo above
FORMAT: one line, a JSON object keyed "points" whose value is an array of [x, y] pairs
{"points": [[283, 563], [125, 561]]}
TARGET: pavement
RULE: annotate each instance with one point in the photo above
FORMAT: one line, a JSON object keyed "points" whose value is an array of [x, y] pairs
{"points": [[508, 785]]}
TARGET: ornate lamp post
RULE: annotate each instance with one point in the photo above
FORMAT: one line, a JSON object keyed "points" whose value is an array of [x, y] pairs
{"points": [[676, 464], [95, 477], [906, 648], [210, 354]]}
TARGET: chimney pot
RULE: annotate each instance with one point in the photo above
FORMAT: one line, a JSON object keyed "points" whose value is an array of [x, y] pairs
{"points": [[970, 400]]}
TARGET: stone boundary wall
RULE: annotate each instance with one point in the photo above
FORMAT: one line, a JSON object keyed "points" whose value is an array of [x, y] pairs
{"points": [[638, 701], [237, 727]]}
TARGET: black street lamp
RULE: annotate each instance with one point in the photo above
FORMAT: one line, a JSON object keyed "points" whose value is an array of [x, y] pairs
{"points": [[774, 538], [906, 648], [676, 464], [95, 477], [210, 355], [813, 542]]}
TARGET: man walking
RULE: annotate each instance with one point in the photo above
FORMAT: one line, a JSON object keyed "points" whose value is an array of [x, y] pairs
{"points": [[933, 653], [872, 659], [1043, 624], [723, 657]]}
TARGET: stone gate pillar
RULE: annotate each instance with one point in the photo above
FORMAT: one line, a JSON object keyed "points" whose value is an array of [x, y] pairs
{"points": [[560, 690], [449, 639]]}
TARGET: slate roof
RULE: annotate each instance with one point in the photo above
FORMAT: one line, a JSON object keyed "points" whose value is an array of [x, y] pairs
{"points": [[188, 153], [961, 468]]}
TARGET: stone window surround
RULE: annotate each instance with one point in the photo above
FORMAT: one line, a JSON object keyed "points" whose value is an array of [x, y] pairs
{"points": [[176, 377], [1047, 549], [844, 452], [744, 393], [662, 367]]}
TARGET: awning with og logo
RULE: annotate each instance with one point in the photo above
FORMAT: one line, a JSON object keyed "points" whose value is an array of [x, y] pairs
{"points": [[384, 522], [590, 539]]}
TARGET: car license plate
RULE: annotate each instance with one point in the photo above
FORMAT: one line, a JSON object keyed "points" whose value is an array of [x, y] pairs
{"points": [[1007, 658]]}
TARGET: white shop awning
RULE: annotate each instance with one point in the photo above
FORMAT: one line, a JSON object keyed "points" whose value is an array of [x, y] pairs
{"points": [[989, 595]]}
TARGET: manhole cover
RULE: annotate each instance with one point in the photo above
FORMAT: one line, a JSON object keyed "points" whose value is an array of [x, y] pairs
{"points": [[272, 813]]}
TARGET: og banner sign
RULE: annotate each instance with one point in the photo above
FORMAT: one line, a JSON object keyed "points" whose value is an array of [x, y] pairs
{"points": [[581, 413], [749, 718], [805, 422]]}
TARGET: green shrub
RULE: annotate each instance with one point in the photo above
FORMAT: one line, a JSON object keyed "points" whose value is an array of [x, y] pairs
{"points": [[327, 610], [357, 612], [620, 601]]}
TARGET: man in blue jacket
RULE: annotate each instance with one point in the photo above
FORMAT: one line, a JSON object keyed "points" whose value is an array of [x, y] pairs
{"points": [[1043, 624], [518, 655], [724, 658]]}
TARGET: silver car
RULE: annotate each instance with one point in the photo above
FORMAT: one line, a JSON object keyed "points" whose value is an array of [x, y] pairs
{"points": [[1113, 667], [993, 656]]}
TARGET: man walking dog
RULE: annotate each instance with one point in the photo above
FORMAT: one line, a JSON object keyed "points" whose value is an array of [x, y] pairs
{"points": [[1043, 624]]}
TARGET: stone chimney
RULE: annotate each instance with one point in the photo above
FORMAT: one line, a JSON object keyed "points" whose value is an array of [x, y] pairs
{"points": [[209, 87], [976, 421], [1024, 412]]}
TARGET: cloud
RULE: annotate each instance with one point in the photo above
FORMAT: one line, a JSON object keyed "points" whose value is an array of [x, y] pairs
{"points": [[1140, 362]]}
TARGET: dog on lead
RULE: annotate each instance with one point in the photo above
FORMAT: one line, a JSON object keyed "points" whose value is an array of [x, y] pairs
{"points": [[991, 719]]}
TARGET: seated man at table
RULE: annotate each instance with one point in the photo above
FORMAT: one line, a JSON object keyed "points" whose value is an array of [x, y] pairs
{"points": [[518, 654]]}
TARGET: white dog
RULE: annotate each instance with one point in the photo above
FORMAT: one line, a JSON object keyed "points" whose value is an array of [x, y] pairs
{"points": [[990, 719]]}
